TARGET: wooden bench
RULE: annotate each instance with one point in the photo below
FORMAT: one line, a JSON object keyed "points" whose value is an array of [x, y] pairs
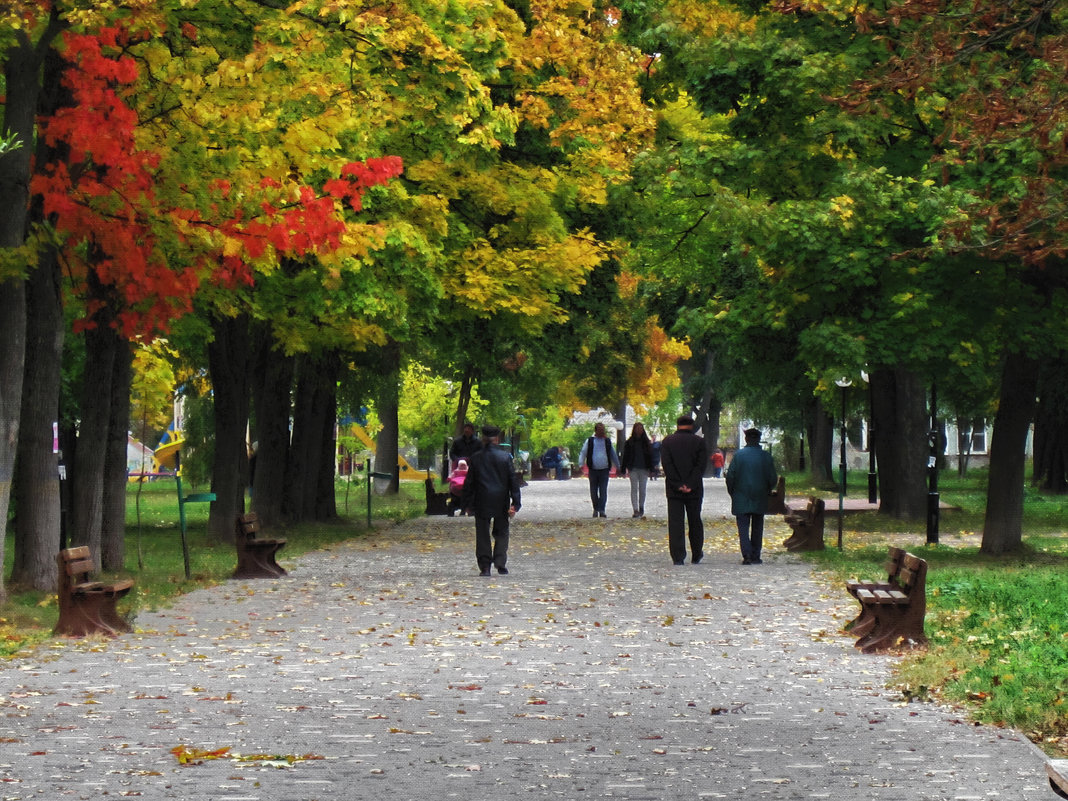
{"points": [[437, 503], [255, 554], [1057, 771], [537, 472], [863, 622], [87, 607], [777, 498], [892, 615], [807, 525]]}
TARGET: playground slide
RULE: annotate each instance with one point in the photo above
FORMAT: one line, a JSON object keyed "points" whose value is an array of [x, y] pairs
{"points": [[406, 470]]}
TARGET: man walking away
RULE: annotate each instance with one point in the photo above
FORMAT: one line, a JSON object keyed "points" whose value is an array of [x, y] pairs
{"points": [[750, 478], [683, 457], [491, 493]]}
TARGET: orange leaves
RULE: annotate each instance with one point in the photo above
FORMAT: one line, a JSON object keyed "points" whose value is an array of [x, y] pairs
{"points": [[197, 756]]}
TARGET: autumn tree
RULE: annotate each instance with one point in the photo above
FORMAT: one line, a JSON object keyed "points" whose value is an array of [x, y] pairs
{"points": [[990, 77]]}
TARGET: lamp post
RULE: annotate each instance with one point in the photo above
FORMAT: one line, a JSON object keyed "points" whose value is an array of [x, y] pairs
{"points": [[932, 472], [873, 482], [842, 383]]}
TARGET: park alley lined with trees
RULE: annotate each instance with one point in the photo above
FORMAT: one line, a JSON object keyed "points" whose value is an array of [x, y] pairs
{"points": [[544, 202]]}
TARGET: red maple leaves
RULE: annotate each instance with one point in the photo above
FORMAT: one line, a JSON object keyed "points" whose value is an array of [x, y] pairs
{"points": [[99, 192]]}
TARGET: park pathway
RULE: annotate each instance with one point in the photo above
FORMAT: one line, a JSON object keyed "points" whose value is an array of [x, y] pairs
{"points": [[385, 668]]}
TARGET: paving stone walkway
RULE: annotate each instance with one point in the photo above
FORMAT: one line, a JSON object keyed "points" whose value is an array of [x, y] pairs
{"points": [[385, 668]]}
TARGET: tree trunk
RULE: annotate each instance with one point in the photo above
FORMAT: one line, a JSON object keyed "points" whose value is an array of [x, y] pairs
{"points": [[901, 424], [228, 361], [38, 531], [387, 448], [820, 430], [272, 391], [313, 412], [37, 528], [1050, 471], [22, 72], [113, 523], [467, 383], [87, 498], [1003, 524], [326, 494]]}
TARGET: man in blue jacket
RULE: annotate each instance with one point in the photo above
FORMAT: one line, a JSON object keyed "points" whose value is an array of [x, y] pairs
{"points": [[491, 492], [750, 478]]}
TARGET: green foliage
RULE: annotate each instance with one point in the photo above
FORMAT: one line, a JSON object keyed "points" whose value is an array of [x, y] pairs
{"points": [[197, 454]]}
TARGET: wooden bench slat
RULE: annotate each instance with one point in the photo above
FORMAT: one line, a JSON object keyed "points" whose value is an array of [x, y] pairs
{"points": [[80, 566]]}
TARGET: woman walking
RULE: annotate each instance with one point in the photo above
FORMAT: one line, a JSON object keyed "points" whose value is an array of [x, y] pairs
{"points": [[637, 462]]}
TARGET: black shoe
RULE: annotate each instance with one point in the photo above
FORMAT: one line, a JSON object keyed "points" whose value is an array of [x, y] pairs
{"points": [[503, 571], [485, 572], [697, 559], [756, 561], [680, 563], [746, 561], [602, 514], [596, 514]]}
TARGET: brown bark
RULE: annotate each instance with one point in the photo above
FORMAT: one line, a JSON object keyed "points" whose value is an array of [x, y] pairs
{"points": [[901, 424], [272, 391], [228, 361], [113, 520], [1003, 523]]}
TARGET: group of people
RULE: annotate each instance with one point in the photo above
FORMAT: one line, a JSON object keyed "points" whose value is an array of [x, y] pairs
{"points": [[485, 485]]}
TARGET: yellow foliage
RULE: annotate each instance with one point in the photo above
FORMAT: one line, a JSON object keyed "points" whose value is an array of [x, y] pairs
{"points": [[650, 381]]}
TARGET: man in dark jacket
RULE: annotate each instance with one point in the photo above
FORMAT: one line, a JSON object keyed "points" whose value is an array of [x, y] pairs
{"points": [[750, 479], [491, 492], [683, 457], [464, 446]]}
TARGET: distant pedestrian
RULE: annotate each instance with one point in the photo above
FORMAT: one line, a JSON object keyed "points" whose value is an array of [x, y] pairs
{"points": [[555, 460], [492, 495], [465, 446], [717, 460], [599, 457], [683, 457], [637, 461], [751, 477]]}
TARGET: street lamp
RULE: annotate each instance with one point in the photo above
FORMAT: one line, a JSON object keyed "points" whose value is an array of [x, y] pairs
{"points": [[932, 471], [873, 482], [843, 384]]}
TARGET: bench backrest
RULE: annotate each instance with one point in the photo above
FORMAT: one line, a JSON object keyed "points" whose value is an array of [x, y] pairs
{"points": [[895, 558], [913, 573], [248, 526], [74, 563]]}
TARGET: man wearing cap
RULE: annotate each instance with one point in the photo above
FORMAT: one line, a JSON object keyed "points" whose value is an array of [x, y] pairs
{"points": [[683, 457], [751, 477], [491, 492]]}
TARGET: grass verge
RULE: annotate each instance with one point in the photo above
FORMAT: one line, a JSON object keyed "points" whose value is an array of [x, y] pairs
{"points": [[998, 626], [155, 559]]}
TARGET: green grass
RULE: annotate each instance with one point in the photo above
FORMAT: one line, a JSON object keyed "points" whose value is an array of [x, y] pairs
{"points": [[998, 626], [154, 555]]}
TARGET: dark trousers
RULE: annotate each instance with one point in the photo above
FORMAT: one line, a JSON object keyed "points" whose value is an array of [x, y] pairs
{"points": [[491, 550], [599, 488], [750, 535], [683, 511]]}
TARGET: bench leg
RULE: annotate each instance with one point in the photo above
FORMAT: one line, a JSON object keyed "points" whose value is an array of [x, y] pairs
{"points": [[90, 613]]}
